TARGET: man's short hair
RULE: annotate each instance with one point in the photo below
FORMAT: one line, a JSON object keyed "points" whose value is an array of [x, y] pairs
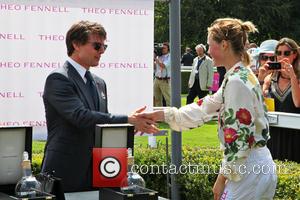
{"points": [[79, 33], [188, 49], [201, 46], [167, 44]]}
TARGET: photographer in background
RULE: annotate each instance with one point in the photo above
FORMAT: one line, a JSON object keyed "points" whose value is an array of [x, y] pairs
{"points": [[266, 53], [162, 86], [283, 86]]}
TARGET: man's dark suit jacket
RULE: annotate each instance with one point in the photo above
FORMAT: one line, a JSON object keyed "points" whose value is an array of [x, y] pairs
{"points": [[71, 120], [187, 59]]}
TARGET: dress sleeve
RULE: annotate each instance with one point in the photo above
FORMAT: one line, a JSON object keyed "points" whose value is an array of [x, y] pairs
{"points": [[238, 127], [195, 114]]}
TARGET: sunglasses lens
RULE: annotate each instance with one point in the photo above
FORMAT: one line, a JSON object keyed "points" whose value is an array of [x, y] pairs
{"points": [[287, 53], [272, 58], [98, 46], [265, 58]]}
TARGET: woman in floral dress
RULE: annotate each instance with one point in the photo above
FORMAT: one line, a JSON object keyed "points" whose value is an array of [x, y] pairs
{"points": [[247, 170]]}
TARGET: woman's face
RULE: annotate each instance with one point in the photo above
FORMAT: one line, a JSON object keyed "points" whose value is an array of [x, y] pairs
{"points": [[215, 51], [264, 57], [284, 51]]}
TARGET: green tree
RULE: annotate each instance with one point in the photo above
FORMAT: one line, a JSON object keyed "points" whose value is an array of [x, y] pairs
{"points": [[274, 18]]}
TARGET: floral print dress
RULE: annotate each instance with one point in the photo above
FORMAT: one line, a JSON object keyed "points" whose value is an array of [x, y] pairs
{"points": [[241, 113]]}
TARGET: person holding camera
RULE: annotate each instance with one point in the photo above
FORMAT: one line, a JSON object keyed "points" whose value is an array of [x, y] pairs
{"points": [[266, 54], [162, 86], [283, 86]]}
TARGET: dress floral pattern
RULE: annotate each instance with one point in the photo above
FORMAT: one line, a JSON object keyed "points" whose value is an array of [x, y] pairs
{"points": [[241, 113]]}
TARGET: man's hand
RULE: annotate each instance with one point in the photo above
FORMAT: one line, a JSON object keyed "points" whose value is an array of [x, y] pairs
{"points": [[142, 123]]}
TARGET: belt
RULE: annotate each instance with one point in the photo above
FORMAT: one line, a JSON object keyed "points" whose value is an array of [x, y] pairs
{"points": [[162, 78]]}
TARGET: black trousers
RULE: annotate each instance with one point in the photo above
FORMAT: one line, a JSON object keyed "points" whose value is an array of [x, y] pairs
{"points": [[194, 92]]}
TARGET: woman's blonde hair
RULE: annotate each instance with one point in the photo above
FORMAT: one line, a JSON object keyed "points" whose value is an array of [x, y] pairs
{"points": [[236, 32]]}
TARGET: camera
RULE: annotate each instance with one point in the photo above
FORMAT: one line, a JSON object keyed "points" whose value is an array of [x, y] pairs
{"points": [[274, 65], [158, 48]]}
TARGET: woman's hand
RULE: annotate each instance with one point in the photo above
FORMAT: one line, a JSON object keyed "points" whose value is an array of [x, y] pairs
{"points": [[154, 116], [219, 186], [141, 122], [287, 69], [264, 71]]}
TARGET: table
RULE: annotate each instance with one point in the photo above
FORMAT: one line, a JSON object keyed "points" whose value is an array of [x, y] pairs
{"points": [[90, 195]]}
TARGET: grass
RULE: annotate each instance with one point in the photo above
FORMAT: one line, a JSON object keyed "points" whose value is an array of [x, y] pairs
{"points": [[204, 136]]}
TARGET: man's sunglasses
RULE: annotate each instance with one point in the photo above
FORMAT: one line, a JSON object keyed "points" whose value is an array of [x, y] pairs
{"points": [[285, 53], [97, 45], [265, 58]]}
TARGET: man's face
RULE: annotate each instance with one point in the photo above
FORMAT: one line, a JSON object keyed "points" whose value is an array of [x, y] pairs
{"points": [[89, 54], [200, 51], [165, 49], [264, 57]]}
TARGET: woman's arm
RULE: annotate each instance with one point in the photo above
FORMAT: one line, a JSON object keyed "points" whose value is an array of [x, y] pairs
{"points": [[295, 91], [266, 85], [189, 116], [219, 187], [295, 86]]}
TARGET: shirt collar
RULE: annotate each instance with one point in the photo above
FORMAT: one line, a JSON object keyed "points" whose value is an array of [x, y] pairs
{"points": [[80, 69], [238, 64], [199, 58], [165, 55]]}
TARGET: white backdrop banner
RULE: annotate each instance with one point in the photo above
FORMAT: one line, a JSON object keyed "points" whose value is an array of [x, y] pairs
{"points": [[32, 44]]}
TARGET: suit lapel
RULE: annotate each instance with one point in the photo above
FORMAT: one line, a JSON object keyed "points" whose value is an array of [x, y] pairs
{"points": [[102, 96], [79, 83]]}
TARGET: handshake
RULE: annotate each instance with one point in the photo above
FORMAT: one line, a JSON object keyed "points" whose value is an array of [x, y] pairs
{"points": [[146, 121]]}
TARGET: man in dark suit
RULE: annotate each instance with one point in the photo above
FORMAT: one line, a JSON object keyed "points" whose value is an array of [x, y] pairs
{"points": [[75, 101], [187, 58]]}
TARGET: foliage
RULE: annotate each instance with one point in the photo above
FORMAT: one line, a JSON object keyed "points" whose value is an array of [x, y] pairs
{"points": [[288, 186], [274, 19], [196, 185], [37, 163], [199, 185]]}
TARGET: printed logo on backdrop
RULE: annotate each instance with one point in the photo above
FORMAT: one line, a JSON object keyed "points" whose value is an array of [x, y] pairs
{"points": [[31, 53], [27, 7]]}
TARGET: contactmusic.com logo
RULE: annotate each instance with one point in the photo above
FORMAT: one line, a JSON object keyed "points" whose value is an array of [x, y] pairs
{"points": [[109, 167]]}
